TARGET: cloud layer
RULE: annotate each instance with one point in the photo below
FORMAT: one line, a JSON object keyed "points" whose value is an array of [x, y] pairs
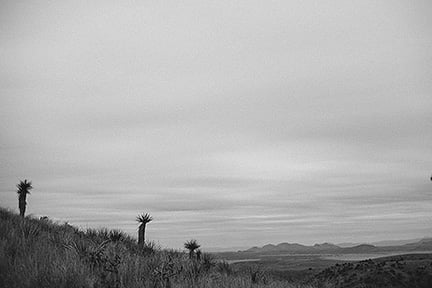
{"points": [[237, 124]]}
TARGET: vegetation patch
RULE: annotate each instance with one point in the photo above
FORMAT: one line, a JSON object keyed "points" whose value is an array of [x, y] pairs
{"points": [[41, 253]]}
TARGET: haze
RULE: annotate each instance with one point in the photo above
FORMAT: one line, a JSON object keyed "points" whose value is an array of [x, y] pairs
{"points": [[236, 123]]}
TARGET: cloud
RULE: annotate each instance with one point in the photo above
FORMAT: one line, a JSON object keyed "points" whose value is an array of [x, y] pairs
{"points": [[235, 123]]}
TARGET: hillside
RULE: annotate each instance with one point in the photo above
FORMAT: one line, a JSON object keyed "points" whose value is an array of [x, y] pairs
{"points": [[41, 253], [413, 271]]}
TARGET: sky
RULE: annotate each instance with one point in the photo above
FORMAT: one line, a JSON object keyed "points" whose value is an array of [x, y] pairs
{"points": [[236, 123]]}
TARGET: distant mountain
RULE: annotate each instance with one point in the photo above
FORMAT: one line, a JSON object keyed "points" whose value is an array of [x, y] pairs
{"points": [[269, 247], [396, 242], [281, 247], [360, 249], [291, 247], [422, 245], [383, 243], [295, 248], [326, 246], [347, 244]]}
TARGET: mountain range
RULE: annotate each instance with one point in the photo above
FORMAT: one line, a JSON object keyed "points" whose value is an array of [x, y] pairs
{"points": [[383, 243], [295, 248]]}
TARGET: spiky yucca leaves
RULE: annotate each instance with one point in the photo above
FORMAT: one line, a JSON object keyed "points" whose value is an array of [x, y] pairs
{"points": [[143, 219], [24, 188], [191, 245]]}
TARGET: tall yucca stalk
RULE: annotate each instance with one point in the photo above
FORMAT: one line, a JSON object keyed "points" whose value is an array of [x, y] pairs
{"points": [[24, 188], [143, 219]]}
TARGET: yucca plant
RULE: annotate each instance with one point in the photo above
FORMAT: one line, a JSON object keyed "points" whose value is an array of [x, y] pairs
{"points": [[24, 188], [143, 219], [192, 245]]}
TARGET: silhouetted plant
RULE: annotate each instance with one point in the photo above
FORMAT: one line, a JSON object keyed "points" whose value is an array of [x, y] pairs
{"points": [[143, 219], [24, 188], [192, 245]]}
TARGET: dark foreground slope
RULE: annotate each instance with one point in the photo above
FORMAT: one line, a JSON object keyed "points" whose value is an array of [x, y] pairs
{"points": [[40, 253], [404, 271]]}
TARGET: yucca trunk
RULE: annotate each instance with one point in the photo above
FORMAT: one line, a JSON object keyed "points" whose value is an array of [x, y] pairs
{"points": [[141, 235], [22, 205]]}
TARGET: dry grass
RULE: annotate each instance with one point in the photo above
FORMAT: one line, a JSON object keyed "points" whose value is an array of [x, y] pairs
{"points": [[40, 253]]}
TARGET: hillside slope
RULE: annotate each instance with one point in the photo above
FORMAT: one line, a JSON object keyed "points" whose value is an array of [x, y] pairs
{"points": [[405, 271], [40, 253]]}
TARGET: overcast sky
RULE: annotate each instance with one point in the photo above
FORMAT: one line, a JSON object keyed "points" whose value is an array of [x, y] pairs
{"points": [[237, 123]]}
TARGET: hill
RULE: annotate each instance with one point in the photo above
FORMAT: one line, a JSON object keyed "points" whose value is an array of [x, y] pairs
{"points": [[287, 248], [41, 253], [397, 242], [328, 248], [414, 271], [282, 247], [360, 249], [384, 243]]}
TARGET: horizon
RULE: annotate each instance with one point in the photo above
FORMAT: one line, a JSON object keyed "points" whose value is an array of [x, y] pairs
{"points": [[235, 124], [378, 243]]}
